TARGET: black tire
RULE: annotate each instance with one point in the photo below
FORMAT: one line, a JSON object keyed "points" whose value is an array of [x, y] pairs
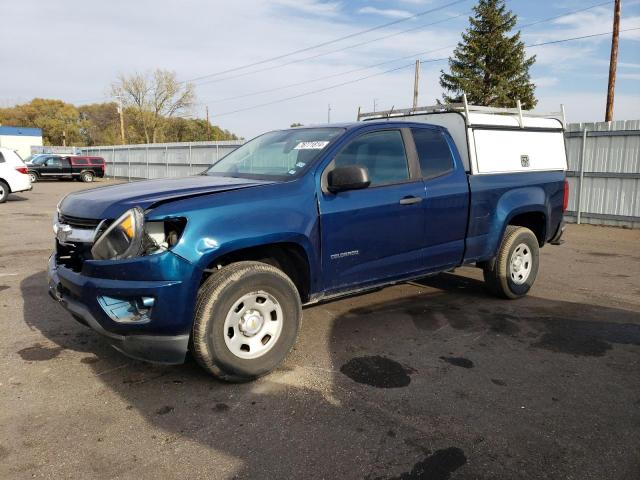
{"points": [[4, 191], [501, 279], [87, 177], [215, 300], [34, 177]]}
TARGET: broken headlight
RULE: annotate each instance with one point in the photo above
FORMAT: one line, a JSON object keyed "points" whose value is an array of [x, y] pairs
{"points": [[122, 239], [131, 236]]}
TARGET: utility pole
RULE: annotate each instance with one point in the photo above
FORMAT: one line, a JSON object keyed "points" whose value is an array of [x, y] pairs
{"points": [[329, 113], [613, 61], [208, 124], [121, 112], [416, 82], [375, 104]]}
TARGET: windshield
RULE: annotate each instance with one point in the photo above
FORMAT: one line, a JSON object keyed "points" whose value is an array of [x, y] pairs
{"points": [[276, 155], [38, 160]]}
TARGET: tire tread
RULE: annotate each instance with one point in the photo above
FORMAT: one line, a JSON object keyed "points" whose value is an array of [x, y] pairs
{"points": [[207, 296]]}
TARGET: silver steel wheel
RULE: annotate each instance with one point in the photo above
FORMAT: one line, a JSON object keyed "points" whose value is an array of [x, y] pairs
{"points": [[520, 264], [1, 191], [87, 177], [253, 325], [33, 177]]}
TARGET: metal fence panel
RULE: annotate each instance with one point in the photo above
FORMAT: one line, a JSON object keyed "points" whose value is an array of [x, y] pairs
{"points": [[604, 173], [160, 160]]}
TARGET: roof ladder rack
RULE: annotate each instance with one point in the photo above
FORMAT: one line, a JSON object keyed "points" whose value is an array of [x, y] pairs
{"points": [[463, 107]]}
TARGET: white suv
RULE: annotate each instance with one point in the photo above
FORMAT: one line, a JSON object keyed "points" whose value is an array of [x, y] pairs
{"points": [[14, 176]]}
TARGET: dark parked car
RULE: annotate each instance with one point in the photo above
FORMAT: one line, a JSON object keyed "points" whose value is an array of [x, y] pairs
{"points": [[77, 167]]}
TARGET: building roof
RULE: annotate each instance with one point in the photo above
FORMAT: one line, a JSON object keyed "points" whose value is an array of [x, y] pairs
{"points": [[21, 131]]}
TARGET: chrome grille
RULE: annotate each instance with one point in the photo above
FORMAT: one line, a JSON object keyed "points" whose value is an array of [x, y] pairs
{"points": [[79, 222]]}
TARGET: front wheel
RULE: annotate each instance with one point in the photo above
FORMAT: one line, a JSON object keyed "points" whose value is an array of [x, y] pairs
{"points": [[33, 177], [246, 321], [516, 265]]}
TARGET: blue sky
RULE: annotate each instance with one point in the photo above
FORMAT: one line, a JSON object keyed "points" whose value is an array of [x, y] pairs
{"points": [[75, 49]]}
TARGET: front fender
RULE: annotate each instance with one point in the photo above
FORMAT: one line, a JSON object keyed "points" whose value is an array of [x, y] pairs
{"points": [[226, 222]]}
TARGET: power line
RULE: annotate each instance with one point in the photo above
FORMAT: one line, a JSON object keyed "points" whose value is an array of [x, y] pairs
{"points": [[396, 69], [323, 54], [544, 20], [326, 77], [318, 90], [384, 37], [330, 42], [579, 38], [275, 89]]}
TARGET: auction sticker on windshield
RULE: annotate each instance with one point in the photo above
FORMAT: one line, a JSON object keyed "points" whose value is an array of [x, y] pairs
{"points": [[311, 145]]}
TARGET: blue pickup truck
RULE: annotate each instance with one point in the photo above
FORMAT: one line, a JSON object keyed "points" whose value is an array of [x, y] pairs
{"points": [[222, 263]]}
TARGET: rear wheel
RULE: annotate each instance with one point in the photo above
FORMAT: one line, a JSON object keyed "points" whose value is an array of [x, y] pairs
{"points": [[246, 322], [4, 191], [86, 177], [516, 265]]}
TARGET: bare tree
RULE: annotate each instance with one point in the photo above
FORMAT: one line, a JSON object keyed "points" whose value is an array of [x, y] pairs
{"points": [[154, 96]]}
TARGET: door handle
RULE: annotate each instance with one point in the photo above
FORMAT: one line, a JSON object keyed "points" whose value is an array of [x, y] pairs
{"points": [[410, 200]]}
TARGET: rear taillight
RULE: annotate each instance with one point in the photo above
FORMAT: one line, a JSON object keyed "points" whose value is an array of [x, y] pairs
{"points": [[22, 170], [565, 201]]}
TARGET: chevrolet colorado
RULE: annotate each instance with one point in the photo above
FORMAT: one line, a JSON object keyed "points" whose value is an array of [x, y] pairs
{"points": [[221, 263]]}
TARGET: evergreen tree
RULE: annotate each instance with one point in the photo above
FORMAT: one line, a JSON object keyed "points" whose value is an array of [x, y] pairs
{"points": [[489, 65]]}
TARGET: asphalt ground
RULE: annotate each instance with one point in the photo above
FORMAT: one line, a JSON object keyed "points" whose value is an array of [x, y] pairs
{"points": [[434, 379]]}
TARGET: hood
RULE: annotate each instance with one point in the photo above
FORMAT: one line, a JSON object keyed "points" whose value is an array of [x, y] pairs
{"points": [[113, 200]]}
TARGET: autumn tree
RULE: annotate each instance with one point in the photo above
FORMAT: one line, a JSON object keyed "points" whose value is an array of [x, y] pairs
{"points": [[60, 122], [101, 122], [490, 64], [154, 97]]}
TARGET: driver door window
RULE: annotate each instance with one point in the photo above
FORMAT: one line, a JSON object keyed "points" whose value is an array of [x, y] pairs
{"points": [[382, 153], [53, 162]]}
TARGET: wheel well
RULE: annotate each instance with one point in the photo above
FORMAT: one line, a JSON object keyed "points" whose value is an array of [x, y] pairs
{"points": [[288, 257], [534, 221], [6, 183]]}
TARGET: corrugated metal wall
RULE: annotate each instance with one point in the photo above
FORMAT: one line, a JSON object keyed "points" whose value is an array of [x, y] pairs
{"points": [[607, 192], [604, 173], [161, 160]]}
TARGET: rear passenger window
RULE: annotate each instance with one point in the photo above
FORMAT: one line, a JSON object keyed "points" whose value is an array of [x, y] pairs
{"points": [[97, 161], [381, 153], [433, 152]]}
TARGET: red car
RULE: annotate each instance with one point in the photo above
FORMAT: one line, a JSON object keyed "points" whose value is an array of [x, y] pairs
{"points": [[78, 167]]}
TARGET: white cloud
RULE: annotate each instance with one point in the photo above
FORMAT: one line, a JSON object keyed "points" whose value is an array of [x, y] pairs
{"points": [[128, 36], [385, 12], [542, 82], [629, 76], [589, 107], [313, 7]]}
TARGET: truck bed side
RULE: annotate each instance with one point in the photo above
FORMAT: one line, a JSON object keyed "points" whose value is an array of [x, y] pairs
{"points": [[531, 199]]}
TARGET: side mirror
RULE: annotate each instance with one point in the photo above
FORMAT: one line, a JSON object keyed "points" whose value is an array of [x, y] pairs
{"points": [[349, 177]]}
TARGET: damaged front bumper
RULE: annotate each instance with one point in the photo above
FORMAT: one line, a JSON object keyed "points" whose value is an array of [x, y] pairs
{"points": [[159, 335]]}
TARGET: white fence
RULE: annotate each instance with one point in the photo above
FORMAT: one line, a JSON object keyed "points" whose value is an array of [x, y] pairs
{"points": [[604, 168]]}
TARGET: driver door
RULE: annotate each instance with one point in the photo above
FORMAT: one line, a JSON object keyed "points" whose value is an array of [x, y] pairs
{"points": [[376, 233], [52, 167]]}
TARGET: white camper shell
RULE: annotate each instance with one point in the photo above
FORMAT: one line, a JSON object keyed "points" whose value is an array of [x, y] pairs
{"points": [[494, 140]]}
